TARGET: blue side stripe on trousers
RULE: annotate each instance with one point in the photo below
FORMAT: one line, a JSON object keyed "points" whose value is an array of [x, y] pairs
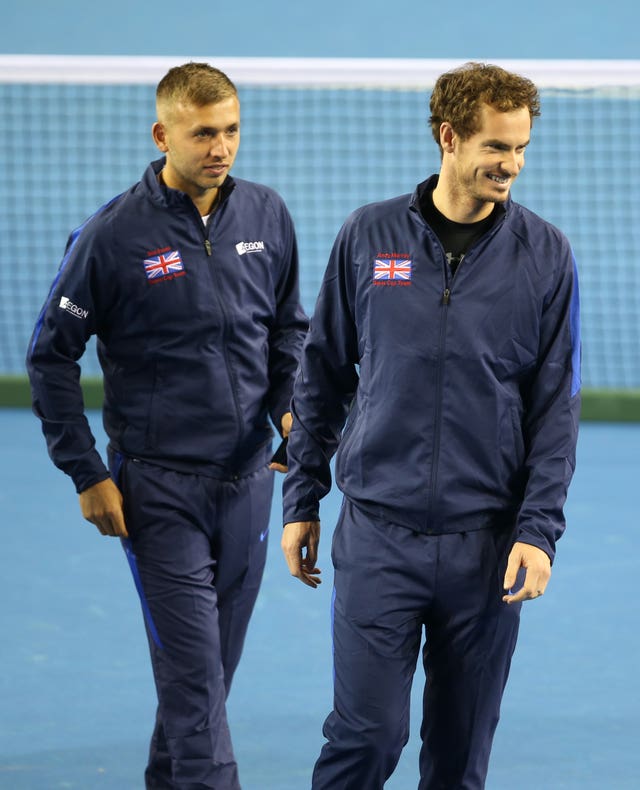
{"points": [[133, 564]]}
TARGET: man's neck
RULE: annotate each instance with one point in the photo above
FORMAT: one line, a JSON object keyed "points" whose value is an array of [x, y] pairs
{"points": [[460, 209], [206, 202]]}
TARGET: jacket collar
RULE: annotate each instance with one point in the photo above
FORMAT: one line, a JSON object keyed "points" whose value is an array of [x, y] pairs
{"points": [[174, 198]]}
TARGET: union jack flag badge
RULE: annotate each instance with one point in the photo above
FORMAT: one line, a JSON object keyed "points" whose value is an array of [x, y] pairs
{"points": [[392, 269], [163, 265]]}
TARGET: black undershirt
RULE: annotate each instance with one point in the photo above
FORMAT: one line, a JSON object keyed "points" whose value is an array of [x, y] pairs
{"points": [[455, 237]]}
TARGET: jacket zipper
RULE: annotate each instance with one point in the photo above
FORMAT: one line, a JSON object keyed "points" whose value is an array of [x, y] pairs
{"points": [[445, 302], [234, 384], [446, 298]]}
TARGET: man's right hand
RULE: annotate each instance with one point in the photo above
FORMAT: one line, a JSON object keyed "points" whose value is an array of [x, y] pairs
{"points": [[297, 536], [101, 504]]}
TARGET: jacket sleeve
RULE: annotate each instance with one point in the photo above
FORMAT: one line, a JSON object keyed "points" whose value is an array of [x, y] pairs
{"points": [[289, 328], [65, 323], [324, 388], [552, 414]]}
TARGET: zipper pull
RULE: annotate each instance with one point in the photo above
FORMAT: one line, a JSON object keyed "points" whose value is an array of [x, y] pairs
{"points": [[445, 296], [207, 246]]}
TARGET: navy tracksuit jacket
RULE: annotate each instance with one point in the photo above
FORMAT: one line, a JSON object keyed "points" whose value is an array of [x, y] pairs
{"points": [[175, 306], [461, 397]]}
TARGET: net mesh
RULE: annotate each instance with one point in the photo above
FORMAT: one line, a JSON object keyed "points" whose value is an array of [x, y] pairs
{"points": [[68, 148]]}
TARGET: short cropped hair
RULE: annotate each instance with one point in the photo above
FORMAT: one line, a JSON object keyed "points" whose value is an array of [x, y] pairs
{"points": [[458, 96], [194, 83]]}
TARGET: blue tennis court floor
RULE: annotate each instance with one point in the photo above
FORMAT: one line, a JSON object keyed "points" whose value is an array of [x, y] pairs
{"points": [[76, 692]]}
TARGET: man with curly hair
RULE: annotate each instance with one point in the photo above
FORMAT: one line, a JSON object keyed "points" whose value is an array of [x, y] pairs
{"points": [[446, 336]]}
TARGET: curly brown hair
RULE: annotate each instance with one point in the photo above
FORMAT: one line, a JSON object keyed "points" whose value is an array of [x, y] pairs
{"points": [[459, 94]]}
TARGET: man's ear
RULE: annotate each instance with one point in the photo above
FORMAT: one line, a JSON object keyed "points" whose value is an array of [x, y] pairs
{"points": [[159, 134], [446, 137]]}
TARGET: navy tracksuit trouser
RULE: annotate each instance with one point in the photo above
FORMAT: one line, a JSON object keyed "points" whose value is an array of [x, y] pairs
{"points": [[197, 549], [390, 584]]}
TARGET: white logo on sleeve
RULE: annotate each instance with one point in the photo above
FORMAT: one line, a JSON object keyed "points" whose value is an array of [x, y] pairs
{"points": [[249, 246], [68, 306]]}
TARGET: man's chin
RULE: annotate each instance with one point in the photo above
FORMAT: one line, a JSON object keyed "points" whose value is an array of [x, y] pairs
{"points": [[498, 196]]}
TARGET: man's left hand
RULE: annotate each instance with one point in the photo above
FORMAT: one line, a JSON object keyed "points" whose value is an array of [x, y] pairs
{"points": [[537, 567], [286, 422]]}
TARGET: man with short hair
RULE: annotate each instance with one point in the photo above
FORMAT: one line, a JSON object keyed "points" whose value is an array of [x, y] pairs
{"points": [[190, 282], [446, 334]]}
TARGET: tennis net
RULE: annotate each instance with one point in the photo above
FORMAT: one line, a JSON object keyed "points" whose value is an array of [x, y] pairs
{"points": [[329, 135]]}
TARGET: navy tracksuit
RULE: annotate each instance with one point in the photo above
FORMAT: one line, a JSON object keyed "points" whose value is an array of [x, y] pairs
{"points": [[461, 400], [198, 333]]}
